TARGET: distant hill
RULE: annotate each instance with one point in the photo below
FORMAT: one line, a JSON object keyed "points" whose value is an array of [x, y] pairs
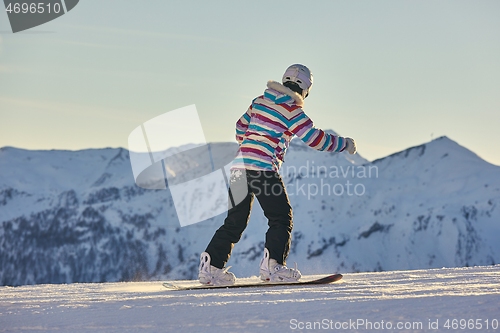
{"points": [[77, 216]]}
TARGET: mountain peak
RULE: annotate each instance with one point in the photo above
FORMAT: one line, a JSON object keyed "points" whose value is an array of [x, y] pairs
{"points": [[442, 147]]}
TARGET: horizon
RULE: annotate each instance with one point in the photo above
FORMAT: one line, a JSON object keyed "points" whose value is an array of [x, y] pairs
{"points": [[295, 138]]}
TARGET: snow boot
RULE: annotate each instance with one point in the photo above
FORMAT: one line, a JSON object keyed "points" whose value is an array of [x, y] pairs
{"points": [[208, 274], [271, 271]]}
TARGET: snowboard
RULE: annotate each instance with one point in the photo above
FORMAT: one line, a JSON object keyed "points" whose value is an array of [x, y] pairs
{"points": [[251, 283]]}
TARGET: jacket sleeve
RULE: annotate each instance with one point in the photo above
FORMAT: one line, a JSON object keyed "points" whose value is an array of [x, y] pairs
{"points": [[242, 125], [303, 127]]}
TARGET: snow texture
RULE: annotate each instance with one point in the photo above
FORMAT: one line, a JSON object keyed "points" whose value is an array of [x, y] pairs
{"points": [[435, 300]]}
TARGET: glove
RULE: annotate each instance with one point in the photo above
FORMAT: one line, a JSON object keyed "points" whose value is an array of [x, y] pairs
{"points": [[350, 146]]}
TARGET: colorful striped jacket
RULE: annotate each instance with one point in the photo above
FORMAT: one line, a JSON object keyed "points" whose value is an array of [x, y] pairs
{"points": [[265, 130]]}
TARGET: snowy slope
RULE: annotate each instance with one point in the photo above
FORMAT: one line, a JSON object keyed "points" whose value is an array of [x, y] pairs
{"points": [[437, 300], [78, 216]]}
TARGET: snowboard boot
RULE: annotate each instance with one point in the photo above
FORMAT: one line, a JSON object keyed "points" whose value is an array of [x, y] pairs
{"points": [[208, 274], [271, 271]]}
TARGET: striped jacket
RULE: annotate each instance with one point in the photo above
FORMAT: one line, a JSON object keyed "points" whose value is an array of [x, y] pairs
{"points": [[265, 130]]}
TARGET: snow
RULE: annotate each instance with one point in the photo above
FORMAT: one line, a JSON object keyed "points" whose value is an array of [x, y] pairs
{"points": [[360, 302], [78, 216]]}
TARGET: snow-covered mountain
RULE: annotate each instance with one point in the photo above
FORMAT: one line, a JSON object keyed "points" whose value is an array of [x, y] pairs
{"points": [[77, 216]]}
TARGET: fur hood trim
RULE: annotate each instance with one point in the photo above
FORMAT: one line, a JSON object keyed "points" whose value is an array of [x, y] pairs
{"points": [[287, 91]]}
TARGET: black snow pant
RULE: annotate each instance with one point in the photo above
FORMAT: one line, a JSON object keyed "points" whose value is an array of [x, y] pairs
{"points": [[269, 189]]}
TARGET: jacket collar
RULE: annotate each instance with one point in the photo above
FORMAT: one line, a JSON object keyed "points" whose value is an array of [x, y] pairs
{"points": [[287, 91]]}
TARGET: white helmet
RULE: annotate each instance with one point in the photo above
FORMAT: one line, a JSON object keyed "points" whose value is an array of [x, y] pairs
{"points": [[301, 75]]}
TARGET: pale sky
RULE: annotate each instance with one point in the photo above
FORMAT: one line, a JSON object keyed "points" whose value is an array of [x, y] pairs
{"points": [[390, 74]]}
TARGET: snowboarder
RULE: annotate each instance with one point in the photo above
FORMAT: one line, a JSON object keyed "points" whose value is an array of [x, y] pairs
{"points": [[263, 134]]}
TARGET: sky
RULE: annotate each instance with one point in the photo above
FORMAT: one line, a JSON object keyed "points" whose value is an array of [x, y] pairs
{"points": [[390, 74]]}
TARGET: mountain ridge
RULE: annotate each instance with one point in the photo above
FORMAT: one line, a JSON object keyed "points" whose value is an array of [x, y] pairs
{"points": [[77, 216]]}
